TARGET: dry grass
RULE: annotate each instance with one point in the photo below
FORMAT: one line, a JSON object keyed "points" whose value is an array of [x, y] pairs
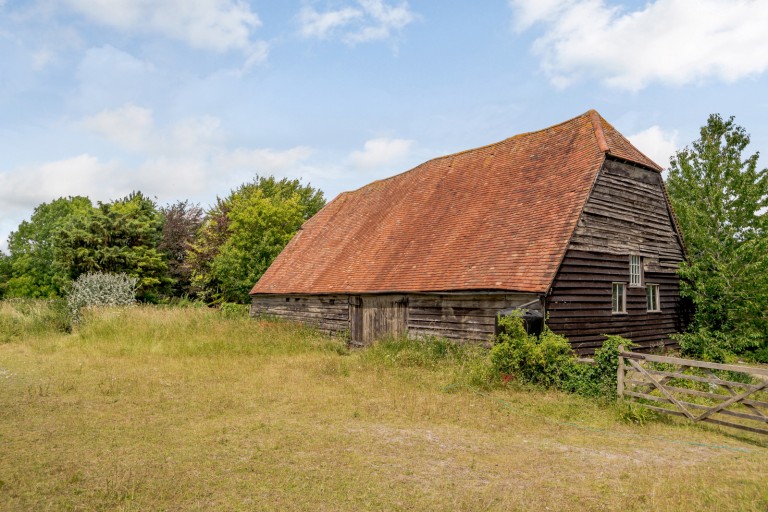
{"points": [[163, 409]]}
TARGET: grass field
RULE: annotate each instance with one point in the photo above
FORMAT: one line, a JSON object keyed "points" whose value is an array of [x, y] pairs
{"points": [[185, 409]]}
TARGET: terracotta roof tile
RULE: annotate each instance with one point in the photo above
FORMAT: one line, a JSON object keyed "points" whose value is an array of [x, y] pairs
{"points": [[497, 217]]}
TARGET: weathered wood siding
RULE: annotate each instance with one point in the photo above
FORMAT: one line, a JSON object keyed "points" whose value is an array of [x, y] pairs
{"points": [[329, 313], [626, 214], [461, 317], [373, 317]]}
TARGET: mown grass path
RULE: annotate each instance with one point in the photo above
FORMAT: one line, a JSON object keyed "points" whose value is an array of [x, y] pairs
{"points": [[171, 409]]}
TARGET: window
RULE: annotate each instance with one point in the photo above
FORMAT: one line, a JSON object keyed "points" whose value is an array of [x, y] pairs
{"points": [[652, 297], [619, 298], [635, 270]]}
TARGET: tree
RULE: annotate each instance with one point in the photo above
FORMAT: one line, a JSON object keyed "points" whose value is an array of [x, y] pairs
{"points": [[720, 199], [181, 222], [211, 236], [245, 232], [117, 237], [5, 273], [32, 270]]}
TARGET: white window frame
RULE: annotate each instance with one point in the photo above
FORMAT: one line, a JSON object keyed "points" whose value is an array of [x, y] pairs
{"points": [[619, 298], [653, 298], [635, 270]]}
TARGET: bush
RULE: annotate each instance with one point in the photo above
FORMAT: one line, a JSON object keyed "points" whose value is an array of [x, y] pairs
{"points": [[547, 360], [231, 310], [95, 289], [540, 360], [721, 347]]}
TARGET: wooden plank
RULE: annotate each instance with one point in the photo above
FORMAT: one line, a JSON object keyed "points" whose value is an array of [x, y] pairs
{"points": [[736, 425], [728, 412], [660, 387], [698, 364], [732, 400], [663, 410], [706, 380]]}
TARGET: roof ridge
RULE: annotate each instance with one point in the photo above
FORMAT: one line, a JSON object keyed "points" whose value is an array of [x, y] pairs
{"points": [[597, 125]]}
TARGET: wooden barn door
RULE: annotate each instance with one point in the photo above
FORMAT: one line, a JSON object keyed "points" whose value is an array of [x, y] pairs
{"points": [[356, 320], [378, 317]]}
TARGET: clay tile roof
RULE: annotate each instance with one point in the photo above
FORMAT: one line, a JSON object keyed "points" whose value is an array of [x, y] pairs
{"points": [[497, 217]]}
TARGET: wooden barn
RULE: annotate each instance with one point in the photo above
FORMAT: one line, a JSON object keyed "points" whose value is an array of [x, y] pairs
{"points": [[571, 221]]}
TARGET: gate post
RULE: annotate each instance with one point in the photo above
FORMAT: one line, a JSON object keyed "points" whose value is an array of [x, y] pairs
{"points": [[620, 375]]}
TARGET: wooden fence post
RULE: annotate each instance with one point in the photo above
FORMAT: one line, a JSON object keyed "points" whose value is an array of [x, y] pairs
{"points": [[620, 374]]}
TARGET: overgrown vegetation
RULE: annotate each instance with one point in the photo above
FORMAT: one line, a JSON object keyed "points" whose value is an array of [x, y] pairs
{"points": [[547, 360], [160, 408], [721, 200]]}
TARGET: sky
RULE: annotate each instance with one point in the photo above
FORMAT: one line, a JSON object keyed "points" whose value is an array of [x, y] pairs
{"points": [[188, 99]]}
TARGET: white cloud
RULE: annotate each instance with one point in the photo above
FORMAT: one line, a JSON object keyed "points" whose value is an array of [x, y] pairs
{"points": [[218, 25], [129, 126], [320, 25], [657, 144], [368, 20], [84, 174], [380, 152], [190, 156], [666, 41]]}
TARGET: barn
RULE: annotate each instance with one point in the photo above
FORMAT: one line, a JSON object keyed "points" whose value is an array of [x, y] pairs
{"points": [[572, 222]]}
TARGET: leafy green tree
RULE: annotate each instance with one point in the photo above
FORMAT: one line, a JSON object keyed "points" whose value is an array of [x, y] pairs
{"points": [[211, 236], [720, 198], [33, 272], [245, 232], [117, 237]]}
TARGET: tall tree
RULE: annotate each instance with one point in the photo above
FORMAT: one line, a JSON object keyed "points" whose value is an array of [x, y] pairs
{"points": [[33, 272], [245, 232], [181, 222], [210, 238], [120, 236], [721, 198]]}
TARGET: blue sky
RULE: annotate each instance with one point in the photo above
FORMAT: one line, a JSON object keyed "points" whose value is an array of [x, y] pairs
{"points": [[187, 99]]}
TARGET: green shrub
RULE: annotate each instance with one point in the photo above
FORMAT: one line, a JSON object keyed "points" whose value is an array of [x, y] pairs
{"points": [[95, 289], [722, 347], [540, 360], [547, 360], [232, 310], [599, 379]]}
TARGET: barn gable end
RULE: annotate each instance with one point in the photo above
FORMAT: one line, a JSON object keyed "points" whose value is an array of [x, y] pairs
{"points": [[627, 213]]}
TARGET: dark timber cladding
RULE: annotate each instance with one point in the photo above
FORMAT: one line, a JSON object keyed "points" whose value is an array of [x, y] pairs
{"points": [[626, 213], [561, 220], [365, 318]]}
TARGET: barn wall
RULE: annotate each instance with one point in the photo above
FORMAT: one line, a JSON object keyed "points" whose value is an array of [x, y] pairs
{"points": [[329, 313], [461, 317], [625, 214]]}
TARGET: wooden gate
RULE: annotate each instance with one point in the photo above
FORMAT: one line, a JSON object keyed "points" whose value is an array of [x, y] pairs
{"points": [[378, 316], [725, 394]]}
